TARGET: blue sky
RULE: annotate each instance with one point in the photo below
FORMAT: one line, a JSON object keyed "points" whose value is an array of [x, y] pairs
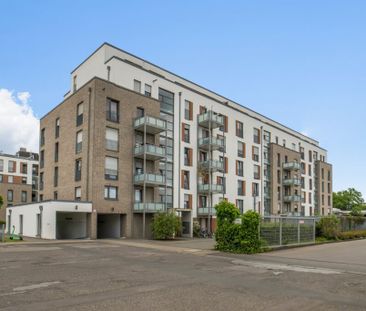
{"points": [[301, 63]]}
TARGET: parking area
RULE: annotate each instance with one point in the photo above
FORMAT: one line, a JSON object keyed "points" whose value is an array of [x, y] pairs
{"points": [[179, 275]]}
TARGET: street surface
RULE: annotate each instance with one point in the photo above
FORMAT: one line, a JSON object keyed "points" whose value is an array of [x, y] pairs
{"points": [[179, 275]]}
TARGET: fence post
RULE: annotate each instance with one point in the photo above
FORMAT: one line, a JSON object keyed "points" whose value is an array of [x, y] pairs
{"points": [[280, 231], [298, 232]]}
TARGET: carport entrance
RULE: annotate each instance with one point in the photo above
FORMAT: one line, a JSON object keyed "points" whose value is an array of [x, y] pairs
{"points": [[109, 226], [71, 225]]}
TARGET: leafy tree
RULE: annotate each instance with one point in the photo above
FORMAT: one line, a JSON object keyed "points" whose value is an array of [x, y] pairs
{"points": [[356, 210], [166, 226], [348, 199]]}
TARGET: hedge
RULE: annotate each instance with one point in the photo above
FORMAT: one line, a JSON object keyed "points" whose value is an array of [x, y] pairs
{"points": [[348, 235]]}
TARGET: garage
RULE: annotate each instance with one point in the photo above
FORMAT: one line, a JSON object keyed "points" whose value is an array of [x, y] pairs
{"points": [[72, 225], [109, 226]]}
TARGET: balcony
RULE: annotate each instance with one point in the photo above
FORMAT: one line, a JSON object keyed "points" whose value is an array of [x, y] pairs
{"points": [[151, 124], [210, 119], [211, 165], [139, 207], [210, 188], [292, 198], [291, 182], [150, 180], [289, 166], [204, 211], [152, 152], [213, 143]]}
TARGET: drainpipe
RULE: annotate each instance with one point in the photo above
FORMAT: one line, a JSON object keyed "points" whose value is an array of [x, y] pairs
{"points": [[261, 212], [179, 146], [88, 149]]}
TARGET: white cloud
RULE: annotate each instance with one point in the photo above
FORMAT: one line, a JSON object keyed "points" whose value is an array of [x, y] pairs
{"points": [[19, 127]]}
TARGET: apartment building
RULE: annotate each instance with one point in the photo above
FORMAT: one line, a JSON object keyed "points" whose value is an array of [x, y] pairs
{"points": [[135, 139], [18, 178]]}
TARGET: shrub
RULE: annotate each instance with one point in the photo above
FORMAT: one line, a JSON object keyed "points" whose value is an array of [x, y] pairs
{"points": [[357, 234], [196, 229], [329, 227], [2, 222], [250, 242], [166, 226]]}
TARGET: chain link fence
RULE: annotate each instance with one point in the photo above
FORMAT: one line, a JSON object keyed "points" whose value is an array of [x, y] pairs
{"points": [[282, 231]]}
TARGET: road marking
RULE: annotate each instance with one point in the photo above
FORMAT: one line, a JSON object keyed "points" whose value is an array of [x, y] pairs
{"points": [[283, 267], [35, 286]]}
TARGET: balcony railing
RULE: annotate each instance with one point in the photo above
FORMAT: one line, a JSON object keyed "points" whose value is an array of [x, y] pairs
{"points": [[212, 143], [152, 152], [148, 207], [210, 119], [292, 198], [291, 166], [213, 165], [291, 182], [210, 188], [149, 179], [205, 211], [153, 125]]}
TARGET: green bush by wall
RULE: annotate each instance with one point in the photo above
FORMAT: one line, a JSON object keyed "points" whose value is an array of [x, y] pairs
{"points": [[166, 226]]}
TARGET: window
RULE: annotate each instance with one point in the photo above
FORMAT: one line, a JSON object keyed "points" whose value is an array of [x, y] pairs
{"points": [[10, 195], [329, 176], [202, 201], [329, 191], [239, 168], [239, 129], [303, 170], [310, 198], [278, 176], [293, 146], [256, 136], [10, 179], [187, 201], [42, 139], [329, 200], [302, 153], [55, 195], [111, 139], [78, 193], [41, 181], [310, 184], [41, 159], [12, 165], [186, 133], [309, 169], [112, 110], [188, 110], [110, 193], [255, 189], [24, 180], [185, 179], [111, 168], [188, 156], [79, 114], [302, 182], [79, 142], [137, 86], [1, 165], [322, 173], [74, 84], [221, 181], [276, 139], [140, 112], [57, 128], [240, 206], [24, 168], [56, 152], [315, 156], [310, 156], [224, 128], [55, 177], [1, 178], [322, 199], [284, 143], [241, 149], [255, 154], [147, 90], [241, 187], [78, 170], [323, 186], [257, 173]]}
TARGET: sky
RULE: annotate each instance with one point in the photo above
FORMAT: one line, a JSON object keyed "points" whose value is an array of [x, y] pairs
{"points": [[299, 62]]}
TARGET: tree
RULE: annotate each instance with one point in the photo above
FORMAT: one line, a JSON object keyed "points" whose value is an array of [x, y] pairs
{"points": [[166, 226], [348, 199], [1, 201]]}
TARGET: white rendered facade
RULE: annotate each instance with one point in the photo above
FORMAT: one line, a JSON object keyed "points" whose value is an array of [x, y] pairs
{"points": [[122, 68]]}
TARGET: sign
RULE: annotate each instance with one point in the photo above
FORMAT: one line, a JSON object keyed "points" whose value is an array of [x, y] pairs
{"points": [[301, 222]]}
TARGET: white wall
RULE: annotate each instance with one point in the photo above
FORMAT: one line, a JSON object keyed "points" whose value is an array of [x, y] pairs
{"points": [[30, 211]]}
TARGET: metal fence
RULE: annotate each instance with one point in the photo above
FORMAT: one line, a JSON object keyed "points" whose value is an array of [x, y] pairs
{"points": [[283, 231]]}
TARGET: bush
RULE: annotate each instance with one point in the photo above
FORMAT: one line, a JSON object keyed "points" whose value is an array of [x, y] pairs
{"points": [[238, 238], [329, 227], [357, 234], [196, 229], [166, 226], [2, 222]]}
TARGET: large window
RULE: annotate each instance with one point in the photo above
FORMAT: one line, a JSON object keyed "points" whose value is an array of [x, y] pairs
{"points": [[110, 193], [79, 142], [79, 114], [112, 110], [188, 110], [241, 149], [257, 173], [256, 136], [111, 139], [188, 156], [187, 201], [241, 187], [255, 152], [239, 129], [10, 195], [239, 168], [12, 165], [186, 133], [111, 168], [78, 170], [185, 179], [240, 206]]}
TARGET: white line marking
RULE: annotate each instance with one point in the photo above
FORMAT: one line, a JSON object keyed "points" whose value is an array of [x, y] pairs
{"points": [[35, 286]]}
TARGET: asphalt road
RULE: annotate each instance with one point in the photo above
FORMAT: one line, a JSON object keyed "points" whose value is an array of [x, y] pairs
{"points": [[135, 275]]}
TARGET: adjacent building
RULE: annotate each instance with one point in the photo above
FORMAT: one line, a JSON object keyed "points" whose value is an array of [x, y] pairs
{"points": [[134, 139], [18, 179]]}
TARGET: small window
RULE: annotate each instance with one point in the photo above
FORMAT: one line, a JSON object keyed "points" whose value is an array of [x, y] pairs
{"points": [[42, 139], [112, 110], [188, 107], [78, 170], [24, 180], [239, 129], [111, 168], [187, 201], [78, 193], [185, 179], [57, 128], [55, 195], [140, 112], [41, 159], [241, 187], [257, 173], [240, 168], [137, 86], [256, 136], [79, 114], [10, 196], [241, 149], [55, 177], [1, 178], [111, 139], [110, 193], [1, 165], [56, 152], [255, 189], [240, 206], [186, 133], [12, 165], [41, 181], [147, 90], [79, 142], [255, 154], [10, 179]]}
